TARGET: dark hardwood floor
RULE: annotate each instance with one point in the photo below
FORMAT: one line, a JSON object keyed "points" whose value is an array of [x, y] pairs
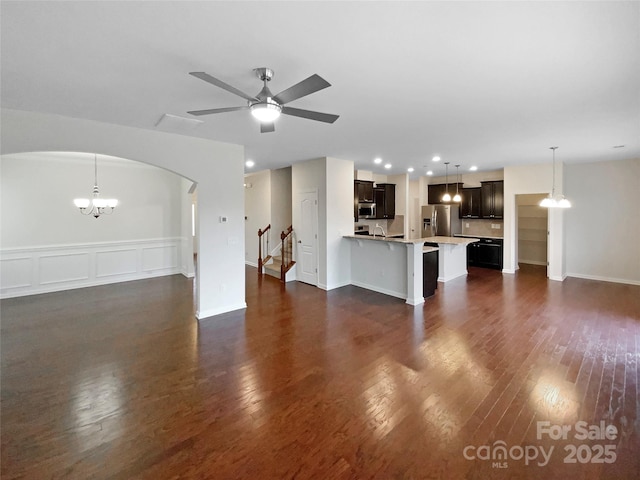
{"points": [[120, 382]]}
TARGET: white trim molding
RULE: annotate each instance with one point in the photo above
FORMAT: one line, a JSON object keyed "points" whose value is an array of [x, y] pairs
{"points": [[52, 268], [600, 278]]}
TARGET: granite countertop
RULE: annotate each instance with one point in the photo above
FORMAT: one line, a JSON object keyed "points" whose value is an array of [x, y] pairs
{"points": [[388, 235], [478, 236], [441, 240], [451, 240]]}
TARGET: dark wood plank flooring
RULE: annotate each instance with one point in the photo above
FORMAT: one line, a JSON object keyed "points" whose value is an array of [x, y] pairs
{"points": [[120, 381]]}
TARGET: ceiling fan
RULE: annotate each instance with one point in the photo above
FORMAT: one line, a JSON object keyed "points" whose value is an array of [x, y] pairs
{"points": [[265, 106]]}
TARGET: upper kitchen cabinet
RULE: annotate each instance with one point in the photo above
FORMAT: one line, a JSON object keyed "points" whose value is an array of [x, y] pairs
{"points": [[436, 191], [385, 197], [471, 204], [492, 199], [363, 190]]}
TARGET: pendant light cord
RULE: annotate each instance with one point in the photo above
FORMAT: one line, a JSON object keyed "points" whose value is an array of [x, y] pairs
{"points": [[553, 183], [95, 169]]}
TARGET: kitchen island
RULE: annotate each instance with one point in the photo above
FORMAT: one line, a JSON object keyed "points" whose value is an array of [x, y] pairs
{"points": [[452, 257], [393, 266]]}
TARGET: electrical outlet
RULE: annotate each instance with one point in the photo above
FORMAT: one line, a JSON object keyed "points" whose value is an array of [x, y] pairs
{"points": [[466, 225]]}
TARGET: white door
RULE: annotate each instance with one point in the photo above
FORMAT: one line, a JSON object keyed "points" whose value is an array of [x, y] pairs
{"points": [[307, 238]]}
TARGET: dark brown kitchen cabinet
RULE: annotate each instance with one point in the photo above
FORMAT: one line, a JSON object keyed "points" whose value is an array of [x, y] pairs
{"points": [[436, 191], [385, 198], [486, 253], [492, 199], [471, 202], [429, 273], [363, 190]]}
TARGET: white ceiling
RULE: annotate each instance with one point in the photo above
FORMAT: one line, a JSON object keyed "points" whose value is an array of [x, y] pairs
{"points": [[484, 83]]}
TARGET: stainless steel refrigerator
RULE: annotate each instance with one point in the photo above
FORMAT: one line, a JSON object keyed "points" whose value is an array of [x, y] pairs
{"points": [[441, 220]]}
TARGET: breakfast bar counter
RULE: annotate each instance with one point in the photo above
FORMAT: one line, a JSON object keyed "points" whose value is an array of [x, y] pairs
{"points": [[394, 266]]}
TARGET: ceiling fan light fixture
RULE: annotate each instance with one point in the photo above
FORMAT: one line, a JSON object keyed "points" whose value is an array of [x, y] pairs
{"points": [[266, 112]]}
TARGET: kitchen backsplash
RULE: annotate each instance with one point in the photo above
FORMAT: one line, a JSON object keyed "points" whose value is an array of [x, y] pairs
{"points": [[482, 228], [392, 226]]}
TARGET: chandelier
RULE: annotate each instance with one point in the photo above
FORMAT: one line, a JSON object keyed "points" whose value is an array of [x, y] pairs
{"points": [[96, 206]]}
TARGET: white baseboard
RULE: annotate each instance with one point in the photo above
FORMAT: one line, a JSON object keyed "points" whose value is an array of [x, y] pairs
{"points": [[452, 277], [250, 263], [334, 286], [187, 274], [380, 290], [557, 279], [53, 268], [509, 270], [533, 262], [600, 278], [212, 312]]}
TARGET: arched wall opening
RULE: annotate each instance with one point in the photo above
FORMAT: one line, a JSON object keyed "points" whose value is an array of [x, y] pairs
{"points": [[216, 167], [49, 245]]}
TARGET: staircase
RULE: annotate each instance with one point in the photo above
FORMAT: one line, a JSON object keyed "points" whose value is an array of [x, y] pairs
{"points": [[279, 265], [274, 268]]}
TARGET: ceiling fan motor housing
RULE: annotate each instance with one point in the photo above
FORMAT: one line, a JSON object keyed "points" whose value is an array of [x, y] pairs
{"points": [[263, 73]]}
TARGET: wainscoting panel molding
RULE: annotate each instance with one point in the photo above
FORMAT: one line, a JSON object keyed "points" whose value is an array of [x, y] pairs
{"points": [[42, 269], [116, 262]]}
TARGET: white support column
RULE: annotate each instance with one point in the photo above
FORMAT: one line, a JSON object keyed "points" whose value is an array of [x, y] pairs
{"points": [[414, 274]]}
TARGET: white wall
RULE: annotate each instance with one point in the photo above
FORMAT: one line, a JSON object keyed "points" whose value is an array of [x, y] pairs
{"points": [[414, 211], [533, 179], [339, 219], [187, 239], [257, 210], [280, 201], [217, 167], [603, 225], [379, 266], [40, 188]]}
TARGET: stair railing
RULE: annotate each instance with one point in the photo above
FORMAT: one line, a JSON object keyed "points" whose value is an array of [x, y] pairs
{"points": [[287, 252], [263, 245]]}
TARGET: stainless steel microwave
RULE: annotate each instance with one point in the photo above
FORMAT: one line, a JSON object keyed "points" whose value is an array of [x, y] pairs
{"points": [[366, 210]]}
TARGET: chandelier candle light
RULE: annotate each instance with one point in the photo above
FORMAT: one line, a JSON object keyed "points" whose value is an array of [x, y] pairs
{"points": [[96, 206], [553, 201]]}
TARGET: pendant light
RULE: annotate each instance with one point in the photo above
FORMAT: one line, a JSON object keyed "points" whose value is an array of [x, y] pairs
{"points": [[446, 197], [551, 200], [457, 197], [96, 206]]}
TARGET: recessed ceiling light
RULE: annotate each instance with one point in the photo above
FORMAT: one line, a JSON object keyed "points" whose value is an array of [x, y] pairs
{"points": [[377, 160], [430, 172], [473, 168], [249, 163], [410, 169], [387, 166], [435, 159]]}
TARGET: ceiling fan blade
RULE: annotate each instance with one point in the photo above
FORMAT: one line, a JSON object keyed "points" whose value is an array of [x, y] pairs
{"points": [[305, 87], [219, 83], [310, 114], [197, 113], [267, 127]]}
